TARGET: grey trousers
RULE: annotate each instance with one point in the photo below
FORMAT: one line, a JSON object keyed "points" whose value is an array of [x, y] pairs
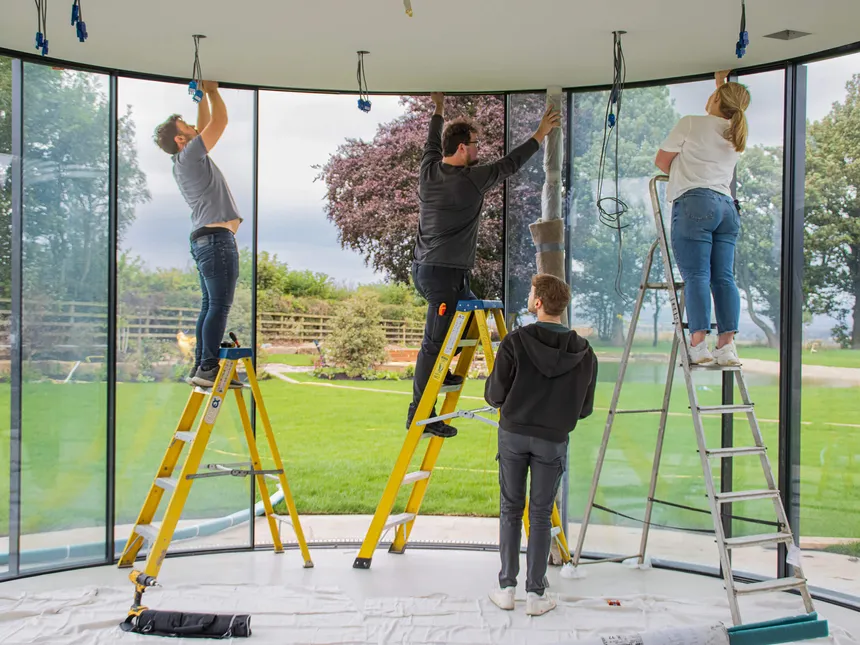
{"points": [[546, 459]]}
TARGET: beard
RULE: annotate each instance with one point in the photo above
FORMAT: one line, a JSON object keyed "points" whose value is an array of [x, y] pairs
{"points": [[472, 162]]}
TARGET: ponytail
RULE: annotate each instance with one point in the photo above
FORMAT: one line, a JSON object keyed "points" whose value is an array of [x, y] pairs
{"points": [[734, 100]]}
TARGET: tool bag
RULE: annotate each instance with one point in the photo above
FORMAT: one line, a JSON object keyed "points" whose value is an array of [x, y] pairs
{"points": [[184, 625]]}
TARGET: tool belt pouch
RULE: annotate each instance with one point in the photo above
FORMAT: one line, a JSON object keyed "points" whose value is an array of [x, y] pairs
{"points": [[184, 625]]}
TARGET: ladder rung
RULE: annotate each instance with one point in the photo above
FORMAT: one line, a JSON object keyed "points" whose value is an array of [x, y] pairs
{"points": [[147, 531], [663, 285], [468, 342], [555, 531], [397, 520], [451, 388], [418, 475], [755, 540], [649, 411], [167, 483], [746, 495], [777, 584], [722, 453], [714, 367], [274, 477], [187, 437], [724, 409]]}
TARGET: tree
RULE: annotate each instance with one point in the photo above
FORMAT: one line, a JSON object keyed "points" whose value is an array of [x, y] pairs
{"points": [[357, 339], [757, 260], [372, 190], [832, 242]]}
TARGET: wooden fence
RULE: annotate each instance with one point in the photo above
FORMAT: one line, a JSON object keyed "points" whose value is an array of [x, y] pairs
{"points": [[70, 323]]}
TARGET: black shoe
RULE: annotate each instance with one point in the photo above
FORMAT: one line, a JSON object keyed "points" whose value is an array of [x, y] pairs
{"points": [[437, 428], [206, 378], [452, 379], [190, 378]]}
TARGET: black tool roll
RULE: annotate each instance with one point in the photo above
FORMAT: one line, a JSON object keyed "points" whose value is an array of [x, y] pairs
{"points": [[184, 625]]}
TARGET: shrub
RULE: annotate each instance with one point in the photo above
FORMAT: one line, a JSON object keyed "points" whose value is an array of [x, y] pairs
{"points": [[357, 339]]}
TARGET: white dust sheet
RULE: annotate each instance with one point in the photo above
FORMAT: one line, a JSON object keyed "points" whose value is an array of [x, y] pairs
{"points": [[323, 616]]}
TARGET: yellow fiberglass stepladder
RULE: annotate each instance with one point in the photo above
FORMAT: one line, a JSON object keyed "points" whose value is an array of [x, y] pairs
{"points": [[179, 485], [468, 330]]}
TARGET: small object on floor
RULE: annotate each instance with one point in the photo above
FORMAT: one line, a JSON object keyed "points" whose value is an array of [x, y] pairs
{"points": [[613, 603], [503, 598], [539, 605], [185, 625], [633, 563], [571, 572]]}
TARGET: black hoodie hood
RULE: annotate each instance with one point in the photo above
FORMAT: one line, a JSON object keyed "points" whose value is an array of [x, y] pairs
{"points": [[552, 353]]}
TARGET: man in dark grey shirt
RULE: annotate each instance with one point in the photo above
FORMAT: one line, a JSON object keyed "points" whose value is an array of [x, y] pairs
{"points": [[214, 223], [451, 189]]}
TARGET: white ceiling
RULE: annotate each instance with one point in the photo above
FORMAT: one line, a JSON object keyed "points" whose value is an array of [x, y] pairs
{"points": [[451, 45]]}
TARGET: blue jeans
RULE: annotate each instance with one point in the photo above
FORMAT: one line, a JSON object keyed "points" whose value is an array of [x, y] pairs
{"points": [[519, 454], [217, 261], [705, 226]]}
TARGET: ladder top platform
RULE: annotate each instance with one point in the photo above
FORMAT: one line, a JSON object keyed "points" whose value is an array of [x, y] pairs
{"points": [[233, 353], [476, 305]]}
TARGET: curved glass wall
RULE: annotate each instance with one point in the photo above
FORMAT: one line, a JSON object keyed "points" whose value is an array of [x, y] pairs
{"points": [[330, 193]]}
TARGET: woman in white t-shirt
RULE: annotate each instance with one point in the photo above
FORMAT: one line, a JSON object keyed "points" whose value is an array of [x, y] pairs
{"points": [[699, 156]]}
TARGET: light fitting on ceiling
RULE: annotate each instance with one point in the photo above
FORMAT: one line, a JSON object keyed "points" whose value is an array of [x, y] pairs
{"points": [[788, 34], [195, 86], [407, 4]]}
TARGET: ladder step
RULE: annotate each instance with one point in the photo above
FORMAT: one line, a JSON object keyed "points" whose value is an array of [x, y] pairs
{"points": [[167, 483], [714, 367], [746, 495], [187, 437], [451, 388], [648, 411], [778, 584], [724, 409], [721, 453], [147, 531], [397, 520], [418, 475], [663, 285], [468, 342], [555, 531], [755, 540]]}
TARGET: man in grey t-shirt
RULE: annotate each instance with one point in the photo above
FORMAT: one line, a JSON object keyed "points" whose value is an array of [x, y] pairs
{"points": [[214, 223]]}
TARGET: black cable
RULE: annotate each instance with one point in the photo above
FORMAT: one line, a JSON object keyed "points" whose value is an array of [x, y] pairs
{"points": [[684, 528], [197, 71], [612, 209], [361, 78]]}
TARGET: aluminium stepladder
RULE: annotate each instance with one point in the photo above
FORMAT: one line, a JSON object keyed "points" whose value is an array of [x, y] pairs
{"points": [[716, 500], [159, 536], [468, 329]]}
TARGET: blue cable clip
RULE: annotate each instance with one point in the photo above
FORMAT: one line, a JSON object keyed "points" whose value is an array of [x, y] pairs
{"points": [[39, 39], [192, 87], [363, 105], [74, 12], [611, 120], [82, 31], [743, 42], [45, 47], [198, 96]]}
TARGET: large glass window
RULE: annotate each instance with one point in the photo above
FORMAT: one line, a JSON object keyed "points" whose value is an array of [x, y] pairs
{"points": [[5, 298], [158, 302], [830, 428], [64, 326], [338, 218]]}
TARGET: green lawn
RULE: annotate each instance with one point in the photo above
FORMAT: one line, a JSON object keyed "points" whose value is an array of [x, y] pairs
{"points": [[299, 360], [339, 444], [825, 357]]}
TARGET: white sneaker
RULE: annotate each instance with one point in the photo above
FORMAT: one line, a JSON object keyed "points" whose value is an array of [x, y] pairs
{"points": [[727, 355], [539, 605], [700, 355], [503, 598]]}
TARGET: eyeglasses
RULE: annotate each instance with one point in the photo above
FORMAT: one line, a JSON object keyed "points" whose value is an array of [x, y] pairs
{"points": [[473, 143]]}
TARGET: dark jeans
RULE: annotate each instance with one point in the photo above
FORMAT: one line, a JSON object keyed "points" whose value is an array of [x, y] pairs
{"points": [[517, 455], [438, 285], [217, 261]]}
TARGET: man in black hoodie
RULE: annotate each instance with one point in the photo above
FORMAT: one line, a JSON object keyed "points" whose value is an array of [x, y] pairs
{"points": [[543, 381]]}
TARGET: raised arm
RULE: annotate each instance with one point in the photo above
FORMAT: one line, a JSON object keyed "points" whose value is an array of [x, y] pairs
{"points": [[488, 176], [218, 120], [722, 77], [203, 116], [433, 147]]}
